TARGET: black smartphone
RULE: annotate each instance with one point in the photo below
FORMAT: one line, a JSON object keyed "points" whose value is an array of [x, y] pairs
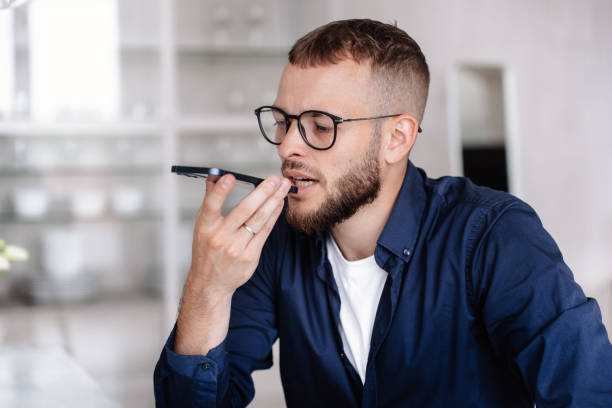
{"points": [[204, 172]]}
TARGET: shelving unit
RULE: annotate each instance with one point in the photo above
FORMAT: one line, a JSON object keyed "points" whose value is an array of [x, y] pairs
{"points": [[51, 170], [191, 73]]}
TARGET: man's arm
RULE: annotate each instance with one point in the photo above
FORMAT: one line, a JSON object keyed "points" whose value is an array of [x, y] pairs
{"points": [[537, 317], [224, 257]]}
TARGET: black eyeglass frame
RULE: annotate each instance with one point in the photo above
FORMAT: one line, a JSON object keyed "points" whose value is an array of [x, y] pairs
{"points": [[335, 119]]}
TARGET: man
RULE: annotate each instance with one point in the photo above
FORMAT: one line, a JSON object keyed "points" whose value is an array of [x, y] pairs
{"points": [[386, 288]]}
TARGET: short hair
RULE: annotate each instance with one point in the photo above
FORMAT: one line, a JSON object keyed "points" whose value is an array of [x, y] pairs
{"points": [[399, 69]]}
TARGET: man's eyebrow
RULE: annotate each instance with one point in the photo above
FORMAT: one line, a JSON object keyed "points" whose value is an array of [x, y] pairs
{"points": [[313, 111]]}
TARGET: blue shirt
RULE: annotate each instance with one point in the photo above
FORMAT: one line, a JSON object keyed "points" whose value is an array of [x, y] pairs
{"points": [[478, 310]]}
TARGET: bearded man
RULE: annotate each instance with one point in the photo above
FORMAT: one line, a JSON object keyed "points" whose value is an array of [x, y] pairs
{"points": [[385, 288]]}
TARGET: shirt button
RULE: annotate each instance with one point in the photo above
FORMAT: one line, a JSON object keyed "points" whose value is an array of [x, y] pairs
{"points": [[406, 252], [206, 366], [342, 355]]}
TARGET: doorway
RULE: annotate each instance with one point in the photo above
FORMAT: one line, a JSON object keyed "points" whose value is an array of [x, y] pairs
{"points": [[483, 141]]}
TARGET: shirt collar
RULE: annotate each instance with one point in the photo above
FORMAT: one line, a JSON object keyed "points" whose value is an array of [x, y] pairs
{"points": [[400, 233]]}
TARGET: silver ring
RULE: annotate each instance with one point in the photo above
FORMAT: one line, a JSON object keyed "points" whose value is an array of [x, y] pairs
{"points": [[249, 230]]}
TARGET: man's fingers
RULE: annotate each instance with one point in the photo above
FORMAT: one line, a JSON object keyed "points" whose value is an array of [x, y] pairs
{"points": [[216, 194], [263, 213], [256, 243], [212, 177], [259, 219], [249, 204]]}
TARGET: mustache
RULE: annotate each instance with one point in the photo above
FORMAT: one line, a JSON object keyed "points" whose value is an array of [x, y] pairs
{"points": [[295, 165]]}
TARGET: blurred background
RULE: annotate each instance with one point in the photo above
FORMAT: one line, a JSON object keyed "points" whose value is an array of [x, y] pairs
{"points": [[98, 98]]}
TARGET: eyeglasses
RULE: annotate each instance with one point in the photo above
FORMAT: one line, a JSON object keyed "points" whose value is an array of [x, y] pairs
{"points": [[317, 128]]}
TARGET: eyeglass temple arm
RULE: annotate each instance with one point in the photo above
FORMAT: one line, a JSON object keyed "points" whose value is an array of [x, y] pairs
{"points": [[340, 120]]}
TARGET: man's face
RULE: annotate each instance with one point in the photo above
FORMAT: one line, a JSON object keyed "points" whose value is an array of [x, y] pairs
{"points": [[332, 184]]}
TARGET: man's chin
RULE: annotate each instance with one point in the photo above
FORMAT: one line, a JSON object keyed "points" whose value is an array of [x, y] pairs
{"points": [[293, 214], [301, 220], [303, 206]]}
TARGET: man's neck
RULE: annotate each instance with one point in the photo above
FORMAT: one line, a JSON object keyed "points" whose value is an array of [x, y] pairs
{"points": [[357, 236]]}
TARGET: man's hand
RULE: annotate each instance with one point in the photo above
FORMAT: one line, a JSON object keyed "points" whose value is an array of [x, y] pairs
{"points": [[224, 256]]}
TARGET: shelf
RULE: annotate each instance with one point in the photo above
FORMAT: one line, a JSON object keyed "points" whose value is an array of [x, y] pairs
{"points": [[236, 123], [125, 47], [80, 170], [139, 48], [80, 129], [241, 50], [66, 217], [222, 124], [232, 50]]}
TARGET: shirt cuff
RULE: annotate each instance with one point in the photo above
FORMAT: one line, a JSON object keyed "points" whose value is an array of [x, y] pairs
{"points": [[202, 368]]}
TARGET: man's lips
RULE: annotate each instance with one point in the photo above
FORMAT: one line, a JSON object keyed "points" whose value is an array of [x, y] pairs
{"points": [[300, 179], [297, 177], [292, 174]]}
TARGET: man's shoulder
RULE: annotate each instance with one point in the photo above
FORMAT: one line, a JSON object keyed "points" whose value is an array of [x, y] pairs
{"points": [[469, 209], [460, 194], [476, 217]]}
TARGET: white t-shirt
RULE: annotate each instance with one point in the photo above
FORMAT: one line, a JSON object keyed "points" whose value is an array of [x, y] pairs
{"points": [[360, 285]]}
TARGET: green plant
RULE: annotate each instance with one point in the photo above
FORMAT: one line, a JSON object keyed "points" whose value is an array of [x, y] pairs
{"points": [[8, 254]]}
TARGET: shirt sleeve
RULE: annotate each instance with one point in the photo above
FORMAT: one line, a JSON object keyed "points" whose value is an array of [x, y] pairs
{"points": [[537, 317], [222, 378], [182, 380]]}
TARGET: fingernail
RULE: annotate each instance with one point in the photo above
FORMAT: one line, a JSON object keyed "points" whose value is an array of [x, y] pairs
{"points": [[227, 181], [285, 183], [273, 180]]}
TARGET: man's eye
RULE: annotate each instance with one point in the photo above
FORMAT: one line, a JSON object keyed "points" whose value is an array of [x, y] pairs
{"points": [[280, 123], [323, 128]]}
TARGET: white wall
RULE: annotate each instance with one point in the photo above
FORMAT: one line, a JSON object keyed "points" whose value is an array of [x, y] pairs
{"points": [[560, 54]]}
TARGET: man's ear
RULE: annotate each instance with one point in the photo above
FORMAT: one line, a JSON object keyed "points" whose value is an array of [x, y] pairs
{"points": [[401, 136]]}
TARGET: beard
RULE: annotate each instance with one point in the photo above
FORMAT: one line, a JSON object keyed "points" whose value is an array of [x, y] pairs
{"points": [[359, 185]]}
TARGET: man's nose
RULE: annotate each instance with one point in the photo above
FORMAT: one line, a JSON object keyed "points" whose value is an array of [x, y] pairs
{"points": [[292, 145]]}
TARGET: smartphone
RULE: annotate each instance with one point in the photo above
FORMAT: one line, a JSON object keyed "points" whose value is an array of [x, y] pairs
{"points": [[204, 172]]}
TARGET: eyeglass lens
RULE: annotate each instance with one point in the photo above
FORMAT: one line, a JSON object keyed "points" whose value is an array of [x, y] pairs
{"points": [[317, 128]]}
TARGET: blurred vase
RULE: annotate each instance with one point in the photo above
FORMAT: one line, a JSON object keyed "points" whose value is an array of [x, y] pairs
{"points": [[127, 201], [30, 203], [62, 253], [88, 203], [64, 279]]}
